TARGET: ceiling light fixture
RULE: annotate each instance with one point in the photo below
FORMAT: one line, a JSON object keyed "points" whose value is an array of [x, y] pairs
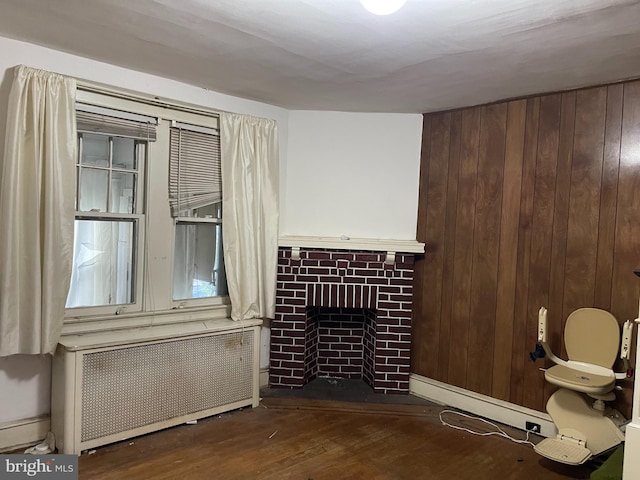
{"points": [[383, 7]]}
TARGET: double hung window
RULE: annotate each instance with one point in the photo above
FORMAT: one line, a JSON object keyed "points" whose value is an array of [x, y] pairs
{"points": [[195, 193], [109, 224], [139, 247]]}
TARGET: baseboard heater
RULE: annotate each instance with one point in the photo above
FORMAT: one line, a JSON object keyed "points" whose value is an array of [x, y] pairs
{"points": [[111, 393]]}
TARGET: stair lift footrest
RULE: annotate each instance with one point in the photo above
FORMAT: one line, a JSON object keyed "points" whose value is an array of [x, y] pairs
{"points": [[563, 450]]}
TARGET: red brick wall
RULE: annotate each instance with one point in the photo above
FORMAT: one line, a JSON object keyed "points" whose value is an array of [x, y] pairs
{"points": [[311, 345], [352, 279], [340, 351]]}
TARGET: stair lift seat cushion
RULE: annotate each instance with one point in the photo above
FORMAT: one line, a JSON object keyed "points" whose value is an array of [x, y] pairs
{"points": [[580, 381], [592, 339]]}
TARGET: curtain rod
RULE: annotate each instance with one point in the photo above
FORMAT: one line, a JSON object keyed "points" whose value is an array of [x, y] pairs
{"points": [[125, 94]]}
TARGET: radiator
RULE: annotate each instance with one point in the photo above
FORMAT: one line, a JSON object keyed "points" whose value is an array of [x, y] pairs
{"points": [[108, 394]]}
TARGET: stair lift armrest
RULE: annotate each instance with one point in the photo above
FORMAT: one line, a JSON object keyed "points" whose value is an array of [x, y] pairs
{"points": [[622, 375], [625, 350], [552, 356], [628, 371], [625, 344], [542, 326], [542, 337]]}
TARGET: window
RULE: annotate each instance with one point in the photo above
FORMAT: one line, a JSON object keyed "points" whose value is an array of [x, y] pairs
{"points": [[124, 261], [195, 195], [109, 217], [198, 270]]}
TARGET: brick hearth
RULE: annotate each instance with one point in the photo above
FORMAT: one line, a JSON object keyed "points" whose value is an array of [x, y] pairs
{"points": [[344, 314]]}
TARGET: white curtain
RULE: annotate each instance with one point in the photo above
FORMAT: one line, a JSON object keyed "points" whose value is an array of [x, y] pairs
{"points": [[249, 151], [37, 192]]}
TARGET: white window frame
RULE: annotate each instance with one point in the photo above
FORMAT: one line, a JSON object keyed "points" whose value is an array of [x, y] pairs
{"points": [[154, 270], [194, 302], [138, 218]]}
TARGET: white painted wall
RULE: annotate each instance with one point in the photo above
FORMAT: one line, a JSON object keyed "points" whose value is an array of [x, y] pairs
{"points": [[353, 174], [25, 386]]}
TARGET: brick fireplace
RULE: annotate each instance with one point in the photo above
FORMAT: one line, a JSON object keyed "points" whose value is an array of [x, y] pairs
{"points": [[342, 313]]}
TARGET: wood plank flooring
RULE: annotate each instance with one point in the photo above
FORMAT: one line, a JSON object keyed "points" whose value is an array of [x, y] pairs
{"points": [[294, 438]]}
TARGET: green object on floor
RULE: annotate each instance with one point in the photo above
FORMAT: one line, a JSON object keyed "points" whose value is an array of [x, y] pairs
{"points": [[611, 469]]}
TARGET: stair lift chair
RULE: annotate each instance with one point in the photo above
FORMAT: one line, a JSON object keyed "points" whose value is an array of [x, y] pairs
{"points": [[585, 427]]}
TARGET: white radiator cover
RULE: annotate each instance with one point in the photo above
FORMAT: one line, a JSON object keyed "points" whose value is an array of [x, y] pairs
{"points": [[111, 393]]}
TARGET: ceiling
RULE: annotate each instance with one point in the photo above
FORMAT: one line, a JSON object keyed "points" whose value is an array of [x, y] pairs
{"points": [[333, 55]]}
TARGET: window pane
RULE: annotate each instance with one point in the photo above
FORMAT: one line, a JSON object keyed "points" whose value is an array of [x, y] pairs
{"points": [[198, 269], [124, 153], [95, 150], [103, 263], [122, 190], [208, 211], [93, 190]]}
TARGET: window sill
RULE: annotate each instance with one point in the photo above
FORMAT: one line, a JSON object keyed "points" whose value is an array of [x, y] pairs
{"points": [[128, 321], [152, 333]]}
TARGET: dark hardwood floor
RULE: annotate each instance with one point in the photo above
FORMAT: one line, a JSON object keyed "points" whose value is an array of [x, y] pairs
{"points": [[298, 438]]}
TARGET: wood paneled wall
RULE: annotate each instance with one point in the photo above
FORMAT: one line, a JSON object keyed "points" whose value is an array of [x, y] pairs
{"points": [[522, 204]]}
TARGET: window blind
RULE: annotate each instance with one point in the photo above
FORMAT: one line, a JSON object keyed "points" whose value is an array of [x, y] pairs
{"points": [[106, 121], [195, 178]]}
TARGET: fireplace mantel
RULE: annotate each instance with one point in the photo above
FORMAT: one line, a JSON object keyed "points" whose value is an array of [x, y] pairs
{"points": [[391, 246]]}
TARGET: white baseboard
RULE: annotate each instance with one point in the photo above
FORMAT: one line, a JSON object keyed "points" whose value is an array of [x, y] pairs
{"points": [[481, 405], [264, 377], [22, 433]]}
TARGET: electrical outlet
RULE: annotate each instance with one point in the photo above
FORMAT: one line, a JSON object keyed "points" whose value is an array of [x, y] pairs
{"points": [[532, 427]]}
